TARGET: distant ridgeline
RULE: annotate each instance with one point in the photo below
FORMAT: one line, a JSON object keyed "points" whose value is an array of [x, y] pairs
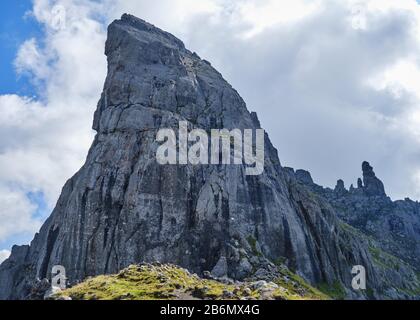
{"points": [[395, 225]]}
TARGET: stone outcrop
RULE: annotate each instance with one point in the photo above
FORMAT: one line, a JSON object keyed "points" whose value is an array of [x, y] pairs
{"points": [[124, 208], [372, 185], [340, 188], [304, 176]]}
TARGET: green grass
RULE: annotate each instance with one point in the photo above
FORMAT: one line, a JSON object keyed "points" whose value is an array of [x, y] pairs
{"points": [[297, 288], [146, 282], [280, 261], [169, 282], [334, 290], [410, 292], [384, 259], [253, 244]]}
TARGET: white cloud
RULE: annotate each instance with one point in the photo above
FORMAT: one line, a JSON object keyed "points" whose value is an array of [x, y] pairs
{"points": [[403, 76], [45, 141], [329, 94], [262, 15], [313, 83], [4, 254], [16, 213], [30, 60]]}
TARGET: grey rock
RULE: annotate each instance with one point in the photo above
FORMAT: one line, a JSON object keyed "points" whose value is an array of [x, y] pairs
{"points": [[244, 269], [340, 188], [41, 289], [226, 280], [51, 292], [372, 185], [258, 285], [220, 270], [227, 294], [63, 298], [261, 273], [247, 291], [304, 176]]}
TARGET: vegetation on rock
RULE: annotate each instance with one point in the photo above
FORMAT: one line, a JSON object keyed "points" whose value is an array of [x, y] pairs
{"points": [[165, 281]]}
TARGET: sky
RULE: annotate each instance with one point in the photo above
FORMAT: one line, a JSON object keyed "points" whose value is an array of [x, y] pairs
{"points": [[334, 83]]}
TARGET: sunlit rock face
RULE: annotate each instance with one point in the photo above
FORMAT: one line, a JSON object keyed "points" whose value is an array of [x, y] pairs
{"points": [[123, 207]]}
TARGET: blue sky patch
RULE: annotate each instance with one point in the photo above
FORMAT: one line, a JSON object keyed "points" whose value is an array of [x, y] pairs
{"points": [[38, 199], [16, 26]]}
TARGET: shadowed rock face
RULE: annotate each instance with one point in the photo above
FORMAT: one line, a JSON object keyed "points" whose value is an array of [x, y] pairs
{"points": [[395, 225], [340, 188], [122, 207]]}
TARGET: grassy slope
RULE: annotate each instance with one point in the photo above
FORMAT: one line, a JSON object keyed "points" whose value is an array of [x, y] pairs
{"points": [[145, 282]]}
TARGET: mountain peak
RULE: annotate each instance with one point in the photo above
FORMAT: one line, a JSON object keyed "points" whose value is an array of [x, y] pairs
{"points": [[131, 28], [340, 188], [372, 185]]}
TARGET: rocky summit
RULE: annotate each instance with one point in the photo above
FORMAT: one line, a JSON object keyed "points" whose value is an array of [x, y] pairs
{"points": [[124, 208]]}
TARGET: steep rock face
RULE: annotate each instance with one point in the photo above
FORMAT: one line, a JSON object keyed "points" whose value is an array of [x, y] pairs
{"points": [[123, 208], [392, 264]]}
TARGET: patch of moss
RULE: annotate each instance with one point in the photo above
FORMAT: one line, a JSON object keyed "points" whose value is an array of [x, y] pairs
{"points": [[169, 282], [253, 244], [147, 282], [384, 259], [297, 288], [369, 293], [334, 290], [280, 261], [352, 230], [413, 292], [313, 196]]}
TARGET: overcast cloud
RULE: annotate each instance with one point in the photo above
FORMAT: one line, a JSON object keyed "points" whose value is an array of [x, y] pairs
{"points": [[4, 254], [334, 83]]}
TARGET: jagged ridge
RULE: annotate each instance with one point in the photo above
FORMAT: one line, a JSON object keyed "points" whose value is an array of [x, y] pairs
{"points": [[394, 224]]}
